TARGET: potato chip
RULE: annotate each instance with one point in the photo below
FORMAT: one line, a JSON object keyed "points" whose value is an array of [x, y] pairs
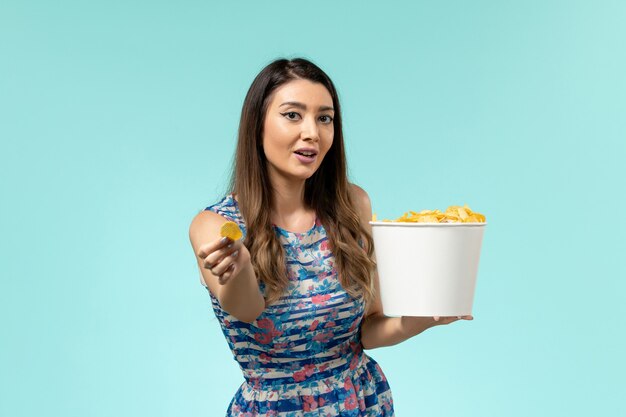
{"points": [[231, 230], [453, 214]]}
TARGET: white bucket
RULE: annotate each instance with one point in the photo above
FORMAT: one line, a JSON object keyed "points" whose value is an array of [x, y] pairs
{"points": [[427, 269]]}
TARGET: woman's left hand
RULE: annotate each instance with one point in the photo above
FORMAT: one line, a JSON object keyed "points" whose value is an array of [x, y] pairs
{"points": [[416, 325], [448, 320]]}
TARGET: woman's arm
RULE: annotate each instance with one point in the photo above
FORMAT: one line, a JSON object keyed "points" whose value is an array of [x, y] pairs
{"points": [[378, 330], [239, 293]]}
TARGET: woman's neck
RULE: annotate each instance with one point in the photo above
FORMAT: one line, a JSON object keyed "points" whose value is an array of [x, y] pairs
{"points": [[289, 208]]}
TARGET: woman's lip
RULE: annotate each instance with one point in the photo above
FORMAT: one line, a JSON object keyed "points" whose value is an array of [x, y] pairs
{"points": [[305, 159]]}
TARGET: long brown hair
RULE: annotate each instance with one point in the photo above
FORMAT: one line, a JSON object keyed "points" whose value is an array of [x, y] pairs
{"points": [[326, 191]]}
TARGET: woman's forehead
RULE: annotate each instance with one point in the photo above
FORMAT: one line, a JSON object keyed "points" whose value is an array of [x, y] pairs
{"points": [[302, 91]]}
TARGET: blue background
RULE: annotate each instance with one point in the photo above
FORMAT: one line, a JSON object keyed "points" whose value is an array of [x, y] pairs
{"points": [[118, 123]]}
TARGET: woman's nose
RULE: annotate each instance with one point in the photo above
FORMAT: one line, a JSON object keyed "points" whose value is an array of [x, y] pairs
{"points": [[310, 130]]}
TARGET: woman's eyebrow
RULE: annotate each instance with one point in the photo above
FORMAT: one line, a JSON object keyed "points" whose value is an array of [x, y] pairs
{"points": [[303, 106]]}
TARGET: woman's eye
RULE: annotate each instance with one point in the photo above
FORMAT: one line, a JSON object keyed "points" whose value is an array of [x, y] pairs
{"points": [[326, 119], [290, 115]]}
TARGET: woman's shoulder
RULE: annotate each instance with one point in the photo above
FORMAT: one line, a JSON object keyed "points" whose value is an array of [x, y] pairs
{"points": [[205, 221], [360, 198], [215, 214]]}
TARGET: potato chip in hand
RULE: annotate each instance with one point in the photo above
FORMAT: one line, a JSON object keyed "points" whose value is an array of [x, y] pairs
{"points": [[231, 230]]}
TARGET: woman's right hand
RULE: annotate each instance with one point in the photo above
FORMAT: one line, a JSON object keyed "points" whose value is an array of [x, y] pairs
{"points": [[224, 258]]}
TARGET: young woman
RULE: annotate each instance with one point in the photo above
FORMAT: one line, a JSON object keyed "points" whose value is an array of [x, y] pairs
{"points": [[297, 296]]}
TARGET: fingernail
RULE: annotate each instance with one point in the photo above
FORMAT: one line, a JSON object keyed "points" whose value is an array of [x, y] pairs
{"points": [[230, 246], [224, 240], [235, 253]]}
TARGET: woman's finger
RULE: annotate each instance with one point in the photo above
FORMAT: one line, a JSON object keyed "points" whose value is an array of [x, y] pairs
{"points": [[233, 258], [228, 250], [225, 277], [450, 319], [207, 264], [207, 249], [220, 268], [214, 259]]}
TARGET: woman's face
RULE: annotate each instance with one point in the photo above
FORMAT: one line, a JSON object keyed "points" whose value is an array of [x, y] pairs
{"points": [[299, 120]]}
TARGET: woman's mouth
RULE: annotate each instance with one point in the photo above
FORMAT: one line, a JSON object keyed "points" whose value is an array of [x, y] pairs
{"points": [[305, 157]]}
